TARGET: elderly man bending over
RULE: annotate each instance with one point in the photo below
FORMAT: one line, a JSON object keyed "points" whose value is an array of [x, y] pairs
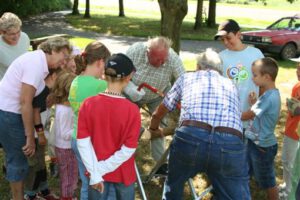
{"points": [[209, 137], [158, 65]]}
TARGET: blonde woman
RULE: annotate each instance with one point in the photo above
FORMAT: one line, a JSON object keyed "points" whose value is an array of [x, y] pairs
{"points": [[24, 80], [13, 42]]}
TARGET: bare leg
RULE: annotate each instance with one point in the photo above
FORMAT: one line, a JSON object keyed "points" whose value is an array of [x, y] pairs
{"points": [[272, 193], [17, 190]]}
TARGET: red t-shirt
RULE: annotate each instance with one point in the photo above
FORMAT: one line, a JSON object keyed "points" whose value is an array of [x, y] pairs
{"points": [[292, 121], [111, 122]]}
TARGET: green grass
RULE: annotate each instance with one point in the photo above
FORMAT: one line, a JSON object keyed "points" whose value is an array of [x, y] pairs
{"points": [[131, 26], [144, 21], [271, 5], [80, 42]]}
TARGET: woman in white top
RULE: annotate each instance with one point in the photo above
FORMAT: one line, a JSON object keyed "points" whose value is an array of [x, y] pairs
{"points": [[24, 80], [13, 42]]}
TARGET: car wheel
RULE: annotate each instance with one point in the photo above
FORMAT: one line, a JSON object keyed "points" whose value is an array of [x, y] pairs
{"points": [[288, 51]]}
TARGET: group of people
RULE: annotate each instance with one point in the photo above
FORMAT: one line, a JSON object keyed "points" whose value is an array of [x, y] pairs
{"points": [[229, 109]]}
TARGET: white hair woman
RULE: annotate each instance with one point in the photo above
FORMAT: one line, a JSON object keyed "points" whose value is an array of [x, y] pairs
{"points": [[13, 42]]}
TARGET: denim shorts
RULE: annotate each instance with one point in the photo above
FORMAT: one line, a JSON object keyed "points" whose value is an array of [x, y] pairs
{"points": [[261, 162], [12, 138]]}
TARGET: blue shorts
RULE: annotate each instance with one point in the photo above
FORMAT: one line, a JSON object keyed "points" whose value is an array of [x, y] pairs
{"points": [[261, 163], [12, 138]]}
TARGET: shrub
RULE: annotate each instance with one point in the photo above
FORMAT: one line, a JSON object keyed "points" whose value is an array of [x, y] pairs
{"points": [[25, 8]]}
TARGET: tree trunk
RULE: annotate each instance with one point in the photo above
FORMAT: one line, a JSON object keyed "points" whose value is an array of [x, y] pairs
{"points": [[211, 21], [75, 8], [172, 14], [87, 9], [121, 9], [198, 21]]}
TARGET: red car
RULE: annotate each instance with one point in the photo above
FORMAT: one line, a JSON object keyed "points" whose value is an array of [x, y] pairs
{"points": [[281, 37]]}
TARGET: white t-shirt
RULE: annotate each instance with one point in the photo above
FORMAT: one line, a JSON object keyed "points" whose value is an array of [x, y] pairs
{"points": [[237, 67], [30, 68], [9, 53], [63, 126]]}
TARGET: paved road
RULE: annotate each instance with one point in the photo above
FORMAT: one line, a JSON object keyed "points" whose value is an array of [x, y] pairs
{"points": [[55, 23]]}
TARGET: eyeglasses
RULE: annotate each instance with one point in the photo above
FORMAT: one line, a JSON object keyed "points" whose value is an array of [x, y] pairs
{"points": [[11, 34], [67, 56]]}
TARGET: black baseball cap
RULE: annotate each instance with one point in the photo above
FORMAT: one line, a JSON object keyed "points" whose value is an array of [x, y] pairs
{"points": [[121, 64], [226, 27]]}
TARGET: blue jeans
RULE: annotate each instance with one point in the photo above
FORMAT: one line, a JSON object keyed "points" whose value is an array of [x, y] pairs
{"points": [[12, 138], [262, 166], [221, 156], [82, 170], [113, 191]]}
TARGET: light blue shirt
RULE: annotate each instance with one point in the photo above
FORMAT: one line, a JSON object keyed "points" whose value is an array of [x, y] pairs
{"points": [[266, 109], [237, 67]]}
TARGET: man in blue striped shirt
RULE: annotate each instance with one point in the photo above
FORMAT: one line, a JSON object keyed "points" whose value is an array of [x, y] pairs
{"points": [[209, 138]]}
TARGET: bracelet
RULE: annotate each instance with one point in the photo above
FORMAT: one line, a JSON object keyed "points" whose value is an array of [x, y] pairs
{"points": [[39, 128]]}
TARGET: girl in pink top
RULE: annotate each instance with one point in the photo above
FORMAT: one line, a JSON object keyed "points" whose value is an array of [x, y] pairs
{"points": [[68, 171]]}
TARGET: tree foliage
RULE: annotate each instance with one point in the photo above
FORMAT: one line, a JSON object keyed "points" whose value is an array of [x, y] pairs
{"points": [[31, 7]]}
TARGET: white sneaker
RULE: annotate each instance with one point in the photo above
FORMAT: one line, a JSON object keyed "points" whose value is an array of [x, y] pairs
{"points": [[282, 186], [283, 195]]}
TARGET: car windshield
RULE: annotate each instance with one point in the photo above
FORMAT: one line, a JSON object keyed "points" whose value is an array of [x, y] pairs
{"points": [[286, 24]]}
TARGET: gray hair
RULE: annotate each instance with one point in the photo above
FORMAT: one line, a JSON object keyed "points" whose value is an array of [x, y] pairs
{"points": [[55, 44], [9, 20], [159, 42], [209, 59]]}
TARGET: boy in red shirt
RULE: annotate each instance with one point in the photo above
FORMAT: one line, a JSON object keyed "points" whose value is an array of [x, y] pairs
{"points": [[291, 138], [108, 132]]}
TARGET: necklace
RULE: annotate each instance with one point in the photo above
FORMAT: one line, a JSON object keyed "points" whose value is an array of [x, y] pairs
{"points": [[113, 93]]}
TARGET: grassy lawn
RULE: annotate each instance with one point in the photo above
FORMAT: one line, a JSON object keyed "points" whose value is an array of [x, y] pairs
{"points": [[144, 21], [271, 4], [134, 26]]}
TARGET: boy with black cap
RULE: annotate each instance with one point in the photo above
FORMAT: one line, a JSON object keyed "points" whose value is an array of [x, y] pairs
{"points": [[237, 61], [108, 132]]}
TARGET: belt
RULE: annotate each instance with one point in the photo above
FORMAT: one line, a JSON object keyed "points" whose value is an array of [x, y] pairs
{"points": [[208, 127]]}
